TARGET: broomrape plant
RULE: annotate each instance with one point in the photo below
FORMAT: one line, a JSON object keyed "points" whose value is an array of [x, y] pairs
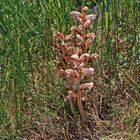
{"points": [[74, 58]]}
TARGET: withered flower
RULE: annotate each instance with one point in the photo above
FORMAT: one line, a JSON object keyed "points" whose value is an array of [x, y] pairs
{"points": [[59, 36]]}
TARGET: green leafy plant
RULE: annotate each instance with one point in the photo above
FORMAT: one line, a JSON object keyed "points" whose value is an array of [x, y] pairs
{"points": [[73, 58]]}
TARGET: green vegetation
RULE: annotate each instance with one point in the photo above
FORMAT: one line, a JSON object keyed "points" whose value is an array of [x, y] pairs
{"points": [[32, 94]]}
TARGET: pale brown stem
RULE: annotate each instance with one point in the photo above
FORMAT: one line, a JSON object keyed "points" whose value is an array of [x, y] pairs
{"points": [[80, 106]]}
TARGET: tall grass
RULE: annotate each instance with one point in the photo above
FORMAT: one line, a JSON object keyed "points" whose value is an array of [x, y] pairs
{"points": [[27, 82]]}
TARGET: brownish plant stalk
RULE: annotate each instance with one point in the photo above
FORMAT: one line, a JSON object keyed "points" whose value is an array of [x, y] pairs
{"points": [[73, 58]]}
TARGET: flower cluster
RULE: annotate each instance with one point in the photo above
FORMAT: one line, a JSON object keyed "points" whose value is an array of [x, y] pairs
{"points": [[74, 56]]}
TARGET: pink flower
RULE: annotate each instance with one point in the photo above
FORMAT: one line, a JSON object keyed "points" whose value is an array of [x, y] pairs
{"points": [[69, 37], [84, 56], [87, 24], [90, 17], [75, 57], [73, 28], [80, 28], [87, 71], [75, 14], [71, 73], [81, 66], [86, 86], [80, 37], [88, 43]]}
